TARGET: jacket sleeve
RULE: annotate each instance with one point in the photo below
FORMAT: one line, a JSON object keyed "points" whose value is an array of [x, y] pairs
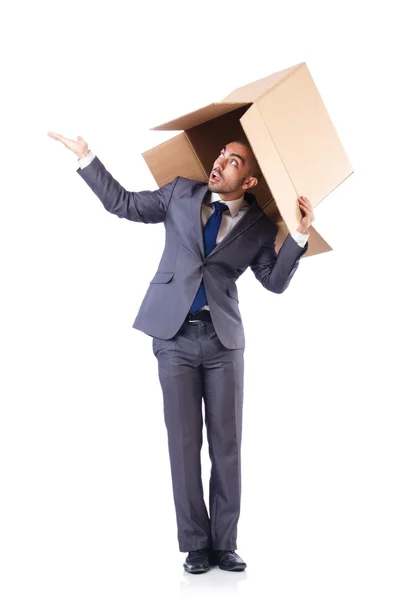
{"points": [[275, 271], [142, 207]]}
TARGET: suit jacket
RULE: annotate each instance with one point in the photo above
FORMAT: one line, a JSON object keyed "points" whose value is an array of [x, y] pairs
{"points": [[250, 243]]}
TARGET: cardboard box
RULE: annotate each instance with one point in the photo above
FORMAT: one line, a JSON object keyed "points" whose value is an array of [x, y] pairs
{"points": [[285, 121]]}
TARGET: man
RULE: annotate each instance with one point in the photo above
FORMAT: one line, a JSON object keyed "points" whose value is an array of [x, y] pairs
{"points": [[214, 232]]}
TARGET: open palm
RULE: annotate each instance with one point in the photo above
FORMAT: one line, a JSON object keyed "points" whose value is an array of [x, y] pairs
{"points": [[79, 146]]}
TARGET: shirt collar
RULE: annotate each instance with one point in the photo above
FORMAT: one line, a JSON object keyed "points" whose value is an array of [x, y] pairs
{"points": [[233, 205]]}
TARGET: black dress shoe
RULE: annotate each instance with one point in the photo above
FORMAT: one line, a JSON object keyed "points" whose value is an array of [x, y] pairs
{"points": [[197, 561], [227, 560]]}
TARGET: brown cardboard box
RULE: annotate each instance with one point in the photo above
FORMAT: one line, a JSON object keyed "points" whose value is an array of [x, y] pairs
{"points": [[290, 132]]}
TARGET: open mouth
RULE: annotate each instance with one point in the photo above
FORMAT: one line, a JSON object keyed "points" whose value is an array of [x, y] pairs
{"points": [[215, 176]]}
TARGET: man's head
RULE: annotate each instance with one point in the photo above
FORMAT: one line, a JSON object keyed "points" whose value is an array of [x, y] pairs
{"points": [[235, 171]]}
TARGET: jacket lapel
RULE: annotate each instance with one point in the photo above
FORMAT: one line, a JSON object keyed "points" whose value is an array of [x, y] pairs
{"points": [[199, 192]]}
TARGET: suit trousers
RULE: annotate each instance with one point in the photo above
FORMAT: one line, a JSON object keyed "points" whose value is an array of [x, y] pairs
{"points": [[194, 366]]}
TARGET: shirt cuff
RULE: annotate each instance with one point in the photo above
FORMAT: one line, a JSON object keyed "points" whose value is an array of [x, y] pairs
{"points": [[300, 238], [84, 162]]}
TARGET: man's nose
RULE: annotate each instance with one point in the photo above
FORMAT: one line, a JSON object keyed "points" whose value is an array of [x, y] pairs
{"points": [[220, 163]]}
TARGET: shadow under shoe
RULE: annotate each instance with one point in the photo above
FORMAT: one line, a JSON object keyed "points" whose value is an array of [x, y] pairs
{"points": [[227, 560], [197, 561]]}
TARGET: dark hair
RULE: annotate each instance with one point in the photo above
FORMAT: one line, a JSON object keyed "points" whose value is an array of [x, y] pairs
{"points": [[254, 167]]}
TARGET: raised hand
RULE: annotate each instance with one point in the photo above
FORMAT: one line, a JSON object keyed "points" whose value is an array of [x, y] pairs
{"points": [[79, 146], [308, 214]]}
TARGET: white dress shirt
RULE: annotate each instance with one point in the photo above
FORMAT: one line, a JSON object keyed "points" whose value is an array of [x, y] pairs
{"points": [[230, 218]]}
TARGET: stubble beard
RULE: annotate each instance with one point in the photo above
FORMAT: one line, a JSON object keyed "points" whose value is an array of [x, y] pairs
{"points": [[220, 187]]}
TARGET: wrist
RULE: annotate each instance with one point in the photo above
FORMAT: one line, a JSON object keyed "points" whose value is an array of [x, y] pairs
{"points": [[83, 154], [301, 229]]}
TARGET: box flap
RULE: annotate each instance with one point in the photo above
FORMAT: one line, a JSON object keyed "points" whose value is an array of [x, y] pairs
{"points": [[317, 244], [254, 90], [306, 140], [272, 167], [211, 111], [173, 158]]}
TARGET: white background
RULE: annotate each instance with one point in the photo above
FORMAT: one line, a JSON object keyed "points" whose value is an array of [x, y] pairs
{"points": [[86, 505]]}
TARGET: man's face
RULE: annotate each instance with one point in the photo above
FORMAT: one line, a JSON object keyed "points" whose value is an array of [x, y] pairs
{"points": [[231, 173]]}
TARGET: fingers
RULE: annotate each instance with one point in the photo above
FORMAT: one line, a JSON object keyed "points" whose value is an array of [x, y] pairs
{"points": [[307, 210], [305, 201], [305, 205], [61, 138], [58, 136], [55, 136]]}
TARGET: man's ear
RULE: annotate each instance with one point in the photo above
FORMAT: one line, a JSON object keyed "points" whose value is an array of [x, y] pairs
{"points": [[250, 183]]}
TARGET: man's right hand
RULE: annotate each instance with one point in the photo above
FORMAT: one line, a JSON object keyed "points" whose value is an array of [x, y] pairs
{"points": [[79, 147]]}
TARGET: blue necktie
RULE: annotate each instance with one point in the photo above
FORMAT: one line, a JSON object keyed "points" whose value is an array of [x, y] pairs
{"points": [[211, 230]]}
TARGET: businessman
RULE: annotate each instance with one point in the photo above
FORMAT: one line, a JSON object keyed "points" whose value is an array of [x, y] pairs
{"points": [[214, 232]]}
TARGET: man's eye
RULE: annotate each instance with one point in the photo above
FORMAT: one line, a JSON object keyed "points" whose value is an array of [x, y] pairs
{"points": [[234, 161]]}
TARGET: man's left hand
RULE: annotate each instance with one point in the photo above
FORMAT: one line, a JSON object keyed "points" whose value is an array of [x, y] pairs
{"points": [[308, 214]]}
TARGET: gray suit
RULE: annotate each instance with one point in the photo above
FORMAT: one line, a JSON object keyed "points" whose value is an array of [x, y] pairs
{"points": [[203, 360]]}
